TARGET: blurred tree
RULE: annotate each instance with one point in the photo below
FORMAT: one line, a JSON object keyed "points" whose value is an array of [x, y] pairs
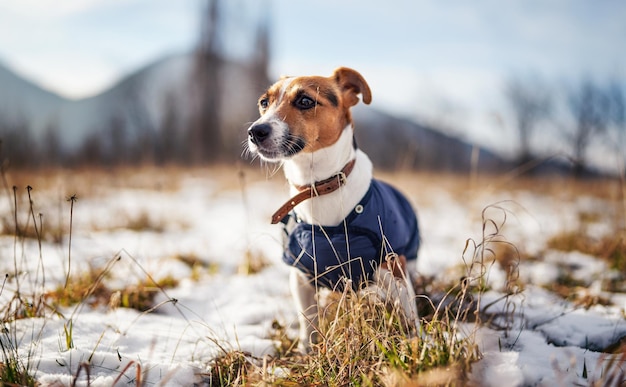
{"points": [[52, 152], [170, 146], [247, 78], [91, 152], [137, 113], [205, 140], [116, 133], [262, 52], [531, 103], [18, 148], [617, 116], [589, 105]]}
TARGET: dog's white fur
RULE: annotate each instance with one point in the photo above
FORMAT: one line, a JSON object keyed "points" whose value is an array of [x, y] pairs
{"points": [[306, 168]]}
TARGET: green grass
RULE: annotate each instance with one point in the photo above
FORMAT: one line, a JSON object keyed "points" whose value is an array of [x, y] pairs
{"points": [[14, 371]]}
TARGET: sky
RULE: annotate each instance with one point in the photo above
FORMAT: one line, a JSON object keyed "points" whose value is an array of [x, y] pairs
{"points": [[443, 62]]}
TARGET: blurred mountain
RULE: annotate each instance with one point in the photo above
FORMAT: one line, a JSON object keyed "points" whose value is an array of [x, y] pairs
{"points": [[156, 99], [23, 100], [76, 119], [396, 142]]}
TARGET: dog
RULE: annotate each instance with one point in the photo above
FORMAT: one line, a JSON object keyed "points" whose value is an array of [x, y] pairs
{"points": [[344, 228]]}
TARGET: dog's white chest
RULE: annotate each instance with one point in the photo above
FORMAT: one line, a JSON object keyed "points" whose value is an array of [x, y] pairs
{"points": [[332, 209]]}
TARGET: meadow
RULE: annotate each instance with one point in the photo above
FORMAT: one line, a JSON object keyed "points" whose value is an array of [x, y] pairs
{"points": [[172, 276]]}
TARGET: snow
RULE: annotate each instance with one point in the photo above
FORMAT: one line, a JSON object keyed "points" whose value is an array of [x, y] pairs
{"points": [[209, 216]]}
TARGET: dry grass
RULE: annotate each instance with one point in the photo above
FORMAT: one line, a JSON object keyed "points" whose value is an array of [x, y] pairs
{"points": [[144, 222], [364, 342], [94, 182], [610, 248], [89, 181], [562, 187], [198, 266], [169, 178], [92, 287], [252, 263]]}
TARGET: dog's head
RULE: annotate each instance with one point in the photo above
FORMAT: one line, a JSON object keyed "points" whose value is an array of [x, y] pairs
{"points": [[305, 114]]}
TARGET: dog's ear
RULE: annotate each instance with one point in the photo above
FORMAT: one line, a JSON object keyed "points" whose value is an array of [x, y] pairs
{"points": [[352, 84]]}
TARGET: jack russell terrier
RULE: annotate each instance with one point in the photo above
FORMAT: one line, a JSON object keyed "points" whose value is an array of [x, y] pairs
{"points": [[346, 228]]}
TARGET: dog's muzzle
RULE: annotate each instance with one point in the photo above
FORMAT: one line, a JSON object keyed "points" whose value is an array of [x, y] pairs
{"points": [[271, 145], [258, 133]]}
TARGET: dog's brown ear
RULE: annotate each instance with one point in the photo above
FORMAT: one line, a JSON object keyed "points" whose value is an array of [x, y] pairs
{"points": [[352, 84]]}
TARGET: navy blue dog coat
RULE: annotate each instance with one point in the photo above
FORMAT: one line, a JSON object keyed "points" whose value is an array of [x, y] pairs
{"points": [[382, 222]]}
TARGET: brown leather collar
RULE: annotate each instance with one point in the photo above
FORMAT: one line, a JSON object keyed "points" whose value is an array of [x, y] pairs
{"points": [[318, 189]]}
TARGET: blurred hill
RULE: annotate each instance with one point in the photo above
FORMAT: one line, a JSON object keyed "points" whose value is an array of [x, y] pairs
{"points": [[152, 102], [22, 100], [152, 107], [394, 142], [150, 110]]}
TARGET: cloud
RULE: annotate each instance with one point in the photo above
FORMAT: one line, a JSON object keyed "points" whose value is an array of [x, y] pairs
{"points": [[458, 47], [79, 47], [49, 10]]}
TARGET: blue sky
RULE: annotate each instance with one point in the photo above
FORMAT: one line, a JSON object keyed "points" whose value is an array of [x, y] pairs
{"points": [[439, 61]]}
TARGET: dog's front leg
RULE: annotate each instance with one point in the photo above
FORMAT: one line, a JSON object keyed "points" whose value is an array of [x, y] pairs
{"points": [[306, 305], [394, 285]]}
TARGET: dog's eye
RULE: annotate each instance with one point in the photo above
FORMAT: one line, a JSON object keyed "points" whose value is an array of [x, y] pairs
{"points": [[304, 102], [264, 103]]}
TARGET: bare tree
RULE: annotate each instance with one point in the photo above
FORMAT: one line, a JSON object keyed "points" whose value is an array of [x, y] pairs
{"points": [[169, 142], [531, 103], [92, 150], [118, 152], [205, 140], [52, 151], [262, 52], [617, 116], [136, 111], [589, 105], [18, 147]]}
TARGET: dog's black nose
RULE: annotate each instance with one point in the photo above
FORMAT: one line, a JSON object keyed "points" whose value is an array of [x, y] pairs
{"points": [[259, 133]]}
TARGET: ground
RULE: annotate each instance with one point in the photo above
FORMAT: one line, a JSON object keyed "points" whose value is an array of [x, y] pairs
{"points": [[178, 266]]}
